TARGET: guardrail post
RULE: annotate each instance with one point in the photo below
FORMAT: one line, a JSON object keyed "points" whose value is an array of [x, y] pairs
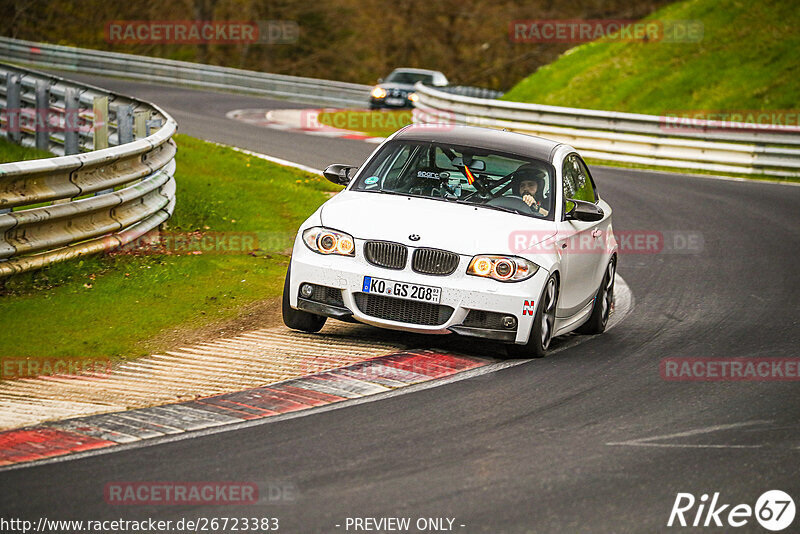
{"points": [[71, 121], [13, 104], [140, 124], [124, 124], [42, 114], [100, 127], [100, 122], [153, 123], [13, 87]]}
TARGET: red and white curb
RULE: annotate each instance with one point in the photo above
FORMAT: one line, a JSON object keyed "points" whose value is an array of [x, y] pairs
{"points": [[297, 120], [373, 376], [369, 380]]}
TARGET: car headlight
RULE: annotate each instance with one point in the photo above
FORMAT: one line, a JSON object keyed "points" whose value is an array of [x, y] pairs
{"points": [[502, 268], [378, 92], [413, 97], [327, 241]]}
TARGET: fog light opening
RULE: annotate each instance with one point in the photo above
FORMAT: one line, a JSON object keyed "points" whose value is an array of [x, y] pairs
{"points": [[306, 290], [509, 321]]}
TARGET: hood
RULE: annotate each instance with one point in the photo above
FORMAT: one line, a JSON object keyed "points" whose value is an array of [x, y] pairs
{"points": [[393, 85], [450, 226]]}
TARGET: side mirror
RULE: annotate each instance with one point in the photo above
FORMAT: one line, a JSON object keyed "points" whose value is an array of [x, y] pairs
{"points": [[584, 211], [338, 173]]}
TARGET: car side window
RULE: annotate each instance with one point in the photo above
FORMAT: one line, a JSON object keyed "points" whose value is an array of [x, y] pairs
{"points": [[577, 181], [588, 181]]}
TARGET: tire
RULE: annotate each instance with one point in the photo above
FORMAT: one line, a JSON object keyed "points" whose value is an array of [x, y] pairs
{"points": [[543, 323], [596, 324], [298, 319]]}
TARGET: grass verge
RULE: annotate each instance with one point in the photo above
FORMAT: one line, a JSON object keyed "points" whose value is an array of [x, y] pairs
{"points": [[121, 306], [10, 152], [746, 60]]}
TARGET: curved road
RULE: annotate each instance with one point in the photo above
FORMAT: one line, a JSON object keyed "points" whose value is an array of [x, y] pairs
{"points": [[589, 440]]}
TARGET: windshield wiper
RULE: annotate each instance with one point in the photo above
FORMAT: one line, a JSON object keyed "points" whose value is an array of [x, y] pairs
{"points": [[390, 192], [501, 208], [498, 208]]}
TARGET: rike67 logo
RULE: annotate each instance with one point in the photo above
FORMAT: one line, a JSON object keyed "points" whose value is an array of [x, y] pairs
{"points": [[774, 510]]}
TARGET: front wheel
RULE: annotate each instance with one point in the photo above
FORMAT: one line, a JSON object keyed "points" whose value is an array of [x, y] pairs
{"points": [[299, 319], [602, 303], [543, 325]]}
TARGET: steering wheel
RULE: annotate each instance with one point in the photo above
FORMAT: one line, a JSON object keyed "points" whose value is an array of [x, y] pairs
{"points": [[512, 203]]}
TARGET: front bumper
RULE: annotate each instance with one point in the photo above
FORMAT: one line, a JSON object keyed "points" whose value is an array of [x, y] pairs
{"points": [[378, 103], [461, 292]]}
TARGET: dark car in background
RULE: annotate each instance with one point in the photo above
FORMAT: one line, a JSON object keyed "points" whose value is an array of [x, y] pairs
{"points": [[397, 90]]}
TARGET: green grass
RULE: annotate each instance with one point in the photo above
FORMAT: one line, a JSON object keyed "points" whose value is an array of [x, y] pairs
{"points": [[747, 60], [123, 305], [373, 123], [10, 152]]}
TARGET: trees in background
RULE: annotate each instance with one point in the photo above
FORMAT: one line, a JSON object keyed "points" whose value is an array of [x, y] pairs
{"points": [[350, 40]]}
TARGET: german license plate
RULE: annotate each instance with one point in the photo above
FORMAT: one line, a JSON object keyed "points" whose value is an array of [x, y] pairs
{"points": [[395, 101], [402, 290]]}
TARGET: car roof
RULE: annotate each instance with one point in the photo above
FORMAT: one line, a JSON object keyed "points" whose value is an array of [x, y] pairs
{"points": [[418, 71], [489, 138]]}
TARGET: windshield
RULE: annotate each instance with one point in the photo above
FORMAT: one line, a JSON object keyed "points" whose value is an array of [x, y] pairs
{"points": [[409, 77], [470, 175]]}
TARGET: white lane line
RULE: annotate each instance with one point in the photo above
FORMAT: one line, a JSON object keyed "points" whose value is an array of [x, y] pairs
{"points": [[623, 305], [273, 159], [708, 176], [648, 442], [279, 161]]}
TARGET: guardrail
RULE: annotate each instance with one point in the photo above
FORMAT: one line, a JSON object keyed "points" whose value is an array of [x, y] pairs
{"points": [[89, 61], [60, 208], [627, 137], [468, 90]]}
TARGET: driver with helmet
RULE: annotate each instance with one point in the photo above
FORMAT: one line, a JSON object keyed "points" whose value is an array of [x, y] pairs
{"points": [[528, 184]]}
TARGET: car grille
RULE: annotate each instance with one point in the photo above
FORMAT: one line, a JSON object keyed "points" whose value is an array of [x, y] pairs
{"points": [[403, 311], [485, 319], [434, 261], [386, 254], [327, 295]]}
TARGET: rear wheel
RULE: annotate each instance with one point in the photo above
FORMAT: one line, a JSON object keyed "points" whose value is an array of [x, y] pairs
{"points": [[543, 324], [602, 303], [298, 319]]}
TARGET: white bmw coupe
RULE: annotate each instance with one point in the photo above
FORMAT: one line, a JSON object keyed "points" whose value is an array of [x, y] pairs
{"points": [[463, 230]]}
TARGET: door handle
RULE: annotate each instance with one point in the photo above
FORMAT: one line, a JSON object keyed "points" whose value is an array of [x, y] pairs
{"points": [[597, 233]]}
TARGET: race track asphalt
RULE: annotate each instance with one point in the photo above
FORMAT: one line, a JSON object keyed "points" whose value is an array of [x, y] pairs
{"points": [[546, 446]]}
